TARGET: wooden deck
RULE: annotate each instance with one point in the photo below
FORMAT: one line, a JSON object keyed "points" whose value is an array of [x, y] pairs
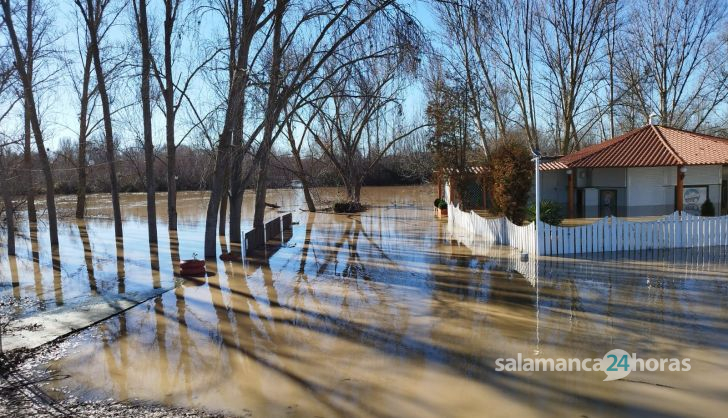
{"points": [[578, 221]]}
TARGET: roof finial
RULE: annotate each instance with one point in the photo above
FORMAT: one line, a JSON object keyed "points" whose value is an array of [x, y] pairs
{"points": [[652, 115]]}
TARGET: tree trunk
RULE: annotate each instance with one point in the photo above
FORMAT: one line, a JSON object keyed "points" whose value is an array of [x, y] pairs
{"points": [[301, 172], [236, 96], [237, 188], [271, 116], [87, 255], [108, 125], [9, 210], [216, 192], [143, 31], [28, 165], [34, 122], [261, 189], [353, 187], [223, 204], [307, 195], [82, 137], [350, 193], [27, 152], [170, 117], [237, 183]]}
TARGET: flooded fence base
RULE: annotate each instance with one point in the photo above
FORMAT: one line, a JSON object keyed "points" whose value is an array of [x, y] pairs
{"points": [[274, 232], [651, 267], [498, 231], [679, 230]]}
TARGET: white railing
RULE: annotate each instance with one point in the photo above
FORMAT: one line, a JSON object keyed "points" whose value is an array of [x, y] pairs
{"points": [[606, 235], [613, 234], [498, 231]]}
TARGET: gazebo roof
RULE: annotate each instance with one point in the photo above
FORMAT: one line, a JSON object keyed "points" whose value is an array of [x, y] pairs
{"points": [[648, 146], [475, 170]]}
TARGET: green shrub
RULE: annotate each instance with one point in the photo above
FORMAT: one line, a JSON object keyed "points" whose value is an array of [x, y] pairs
{"points": [[511, 172], [708, 209], [349, 207], [437, 202], [442, 204], [550, 213]]}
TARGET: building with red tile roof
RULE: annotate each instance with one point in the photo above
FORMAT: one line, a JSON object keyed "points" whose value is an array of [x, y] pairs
{"points": [[652, 170]]}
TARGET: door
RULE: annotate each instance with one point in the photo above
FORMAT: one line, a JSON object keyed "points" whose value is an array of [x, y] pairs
{"points": [[580, 203], [607, 203]]}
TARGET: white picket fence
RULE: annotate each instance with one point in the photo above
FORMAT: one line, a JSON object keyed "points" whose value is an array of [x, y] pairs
{"points": [[614, 234], [498, 231], [606, 235]]}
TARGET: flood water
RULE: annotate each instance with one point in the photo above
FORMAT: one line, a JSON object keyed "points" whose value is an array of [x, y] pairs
{"points": [[383, 314]]}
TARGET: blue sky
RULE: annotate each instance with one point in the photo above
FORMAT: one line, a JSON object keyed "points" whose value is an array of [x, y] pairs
{"points": [[59, 104]]}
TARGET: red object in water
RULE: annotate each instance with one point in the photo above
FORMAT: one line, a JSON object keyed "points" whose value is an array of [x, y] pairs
{"points": [[194, 268], [194, 272], [191, 264], [230, 257]]}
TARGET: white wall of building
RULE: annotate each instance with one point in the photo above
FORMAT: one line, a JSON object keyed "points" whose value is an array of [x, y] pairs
{"points": [[648, 193], [703, 175], [555, 187], [609, 178], [641, 191], [651, 190]]}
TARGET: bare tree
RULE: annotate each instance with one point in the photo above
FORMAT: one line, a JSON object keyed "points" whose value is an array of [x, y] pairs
{"points": [[306, 54], [571, 35], [93, 12], [174, 82], [296, 142], [9, 99], [167, 85], [272, 112], [86, 94], [613, 31], [672, 60], [513, 24], [241, 30], [140, 14], [240, 41], [7, 196], [359, 120], [30, 105], [27, 152], [341, 22], [467, 25]]}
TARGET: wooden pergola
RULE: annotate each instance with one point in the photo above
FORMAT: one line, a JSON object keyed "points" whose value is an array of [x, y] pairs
{"points": [[453, 175]]}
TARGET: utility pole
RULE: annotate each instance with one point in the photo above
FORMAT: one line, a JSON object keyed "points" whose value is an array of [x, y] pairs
{"points": [[537, 162]]}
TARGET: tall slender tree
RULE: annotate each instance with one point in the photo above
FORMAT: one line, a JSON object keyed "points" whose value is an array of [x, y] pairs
{"points": [[140, 13], [241, 31], [86, 93], [672, 50], [571, 37], [30, 105], [94, 14], [27, 150], [240, 43]]}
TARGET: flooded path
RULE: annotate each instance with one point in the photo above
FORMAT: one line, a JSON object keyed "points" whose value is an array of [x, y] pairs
{"points": [[383, 314]]}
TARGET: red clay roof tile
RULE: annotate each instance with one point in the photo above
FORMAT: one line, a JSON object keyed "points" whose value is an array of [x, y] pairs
{"points": [[649, 146]]}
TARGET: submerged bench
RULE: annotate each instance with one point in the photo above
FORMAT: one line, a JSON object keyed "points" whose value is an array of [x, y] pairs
{"points": [[257, 238]]}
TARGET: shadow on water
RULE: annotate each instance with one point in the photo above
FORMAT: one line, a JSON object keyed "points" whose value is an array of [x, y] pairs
{"points": [[87, 255], [385, 315]]}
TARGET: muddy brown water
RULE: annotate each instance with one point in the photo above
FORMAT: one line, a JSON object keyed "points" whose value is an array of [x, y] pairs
{"points": [[383, 314]]}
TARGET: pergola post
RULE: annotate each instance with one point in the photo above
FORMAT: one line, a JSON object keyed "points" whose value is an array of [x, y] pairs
{"points": [[680, 189], [570, 198], [484, 185]]}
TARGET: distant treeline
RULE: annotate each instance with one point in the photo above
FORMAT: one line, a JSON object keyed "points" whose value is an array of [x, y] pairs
{"points": [[195, 167]]}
